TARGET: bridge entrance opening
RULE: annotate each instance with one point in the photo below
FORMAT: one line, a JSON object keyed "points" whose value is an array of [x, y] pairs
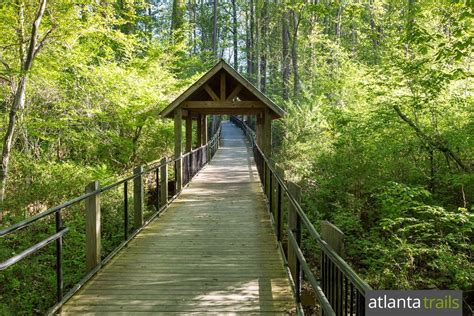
{"points": [[221, 91]]}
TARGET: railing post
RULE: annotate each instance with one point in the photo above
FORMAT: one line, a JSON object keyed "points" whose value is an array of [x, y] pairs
{"points": [[59, 259], [331, 277], [294, 224], [164, 182], [333, 236], [279, 203], [273, 195], [178, 150], [138, 197], [178, 175], [93, 230], [268, 181]]}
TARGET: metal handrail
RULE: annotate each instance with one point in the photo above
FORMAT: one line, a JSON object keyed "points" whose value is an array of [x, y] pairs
{"points": [[54, 209], [342, 265], [33, 249], [60, 231], [358, 282]]}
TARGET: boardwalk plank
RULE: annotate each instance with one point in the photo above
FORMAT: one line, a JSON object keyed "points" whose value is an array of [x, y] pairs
{"points": [[212, 252]]}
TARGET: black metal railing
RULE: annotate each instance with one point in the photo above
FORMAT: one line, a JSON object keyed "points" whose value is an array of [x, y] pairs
{"points": [[339, 290], [194, 161]]}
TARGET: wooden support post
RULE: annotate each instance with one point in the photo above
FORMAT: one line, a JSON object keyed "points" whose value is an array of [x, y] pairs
{"points": [[266, 148], [333, 236], [138, 197], [164, 182], [93, 231], [204, 129], [274, 197], [178, 150], [279, 203], [223, 92], [189, 132], [267, 133], [259, 130], [199, 131], [294, 225]]}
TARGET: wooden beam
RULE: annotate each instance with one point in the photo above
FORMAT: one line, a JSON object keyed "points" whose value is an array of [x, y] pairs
{"points": [[163, 182], [138, 197], [294, 224], [204, 128], [234, 93], [229, 111], [177, 146], [199, 131], [169, 109], [333, 236], [279, 204], [259, 130], [189, 133], [267, 133], [93, 230], [211, 92], [223, 104], [223, 94]]}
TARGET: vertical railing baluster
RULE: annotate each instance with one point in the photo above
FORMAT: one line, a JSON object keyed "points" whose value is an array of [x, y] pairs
{"points": [[59, 258], [157, 182], [352, 299], [360, 303], [341, 301], [331, 282], [336, 290], [357, 303], [270, 193], [175, 177], [345, 295], [279, 208], [125, 210], [298, 265], [321, 276]]}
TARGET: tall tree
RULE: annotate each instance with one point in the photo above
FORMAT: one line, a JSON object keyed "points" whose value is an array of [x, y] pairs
{"points": [[215, 13], [234, 32], [295, 20], [264, 47], [28, 50], [177, 17], [285, 65], [251, 37], [257, 43]]}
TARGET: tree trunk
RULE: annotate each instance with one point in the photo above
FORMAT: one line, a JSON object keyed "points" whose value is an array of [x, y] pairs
{"points": [[430, 141], [252, 38], [234, 30], [294, 54], [339, 22], [374, 31], [286, 56], [177, 16], [192, 8], [19, 98], [214, 29], [264, 40], [248, 43], [257, 46]]}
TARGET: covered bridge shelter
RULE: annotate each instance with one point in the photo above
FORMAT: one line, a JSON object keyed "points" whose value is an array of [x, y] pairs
{"points": [[221, 91]]}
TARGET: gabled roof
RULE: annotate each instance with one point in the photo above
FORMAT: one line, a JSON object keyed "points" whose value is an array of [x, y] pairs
{"points": [[198, 92]]}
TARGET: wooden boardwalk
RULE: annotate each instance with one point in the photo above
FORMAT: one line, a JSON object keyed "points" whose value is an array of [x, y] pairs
{"points": [[212, 252]]}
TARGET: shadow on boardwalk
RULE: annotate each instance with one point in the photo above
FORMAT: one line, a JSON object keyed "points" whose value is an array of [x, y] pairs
{"points": [[213, 251]]}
